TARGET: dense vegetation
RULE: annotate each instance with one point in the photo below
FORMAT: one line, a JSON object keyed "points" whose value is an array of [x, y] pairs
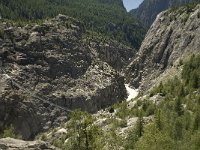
{"points": [[173, 124], [106, 16], [176, 124]]}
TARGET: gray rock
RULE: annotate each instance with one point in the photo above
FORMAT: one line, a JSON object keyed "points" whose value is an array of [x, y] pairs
{"points": [[14, 144]]}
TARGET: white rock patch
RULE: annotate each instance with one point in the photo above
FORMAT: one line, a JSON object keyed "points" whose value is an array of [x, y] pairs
{"points": [[132, 93]]}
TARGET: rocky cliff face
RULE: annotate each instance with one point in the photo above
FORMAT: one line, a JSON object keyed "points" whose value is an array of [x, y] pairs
{"points": [[173, 36], [52, 62], [149, 9]]}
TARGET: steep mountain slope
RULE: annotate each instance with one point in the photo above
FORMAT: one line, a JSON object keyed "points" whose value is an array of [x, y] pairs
{"points": [[106, 16], [174, 35], [56, 61], [149, 9]]}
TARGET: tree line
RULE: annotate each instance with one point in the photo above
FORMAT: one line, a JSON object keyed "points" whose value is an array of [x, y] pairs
{"points": [[107, 17]]}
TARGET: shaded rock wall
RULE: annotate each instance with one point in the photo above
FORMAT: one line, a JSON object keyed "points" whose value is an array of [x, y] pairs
{"points": [[114, 53]]}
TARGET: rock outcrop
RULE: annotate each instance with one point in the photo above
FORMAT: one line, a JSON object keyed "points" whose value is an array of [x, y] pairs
{"points": [[173, 36], [13, 144], [52, 62]]}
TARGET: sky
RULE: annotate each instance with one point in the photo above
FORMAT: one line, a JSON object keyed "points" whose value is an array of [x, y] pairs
{"points": [[131, 4]]}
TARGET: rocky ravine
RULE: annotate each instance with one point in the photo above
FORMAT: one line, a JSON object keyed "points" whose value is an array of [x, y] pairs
{"points": [[52, 61], [174, 35]]}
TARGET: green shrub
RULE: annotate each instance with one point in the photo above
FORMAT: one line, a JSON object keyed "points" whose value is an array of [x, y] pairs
{"points": [[10, 132]]}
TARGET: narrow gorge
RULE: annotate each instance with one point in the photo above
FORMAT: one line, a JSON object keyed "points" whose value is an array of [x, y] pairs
{"points": [[86, 77]]}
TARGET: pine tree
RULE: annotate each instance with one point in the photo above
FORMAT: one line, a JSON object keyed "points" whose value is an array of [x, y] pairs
{"points": [[181, 92], [178, 129], [140, 125], [158, 119], [178, 106], [196, 123]]}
